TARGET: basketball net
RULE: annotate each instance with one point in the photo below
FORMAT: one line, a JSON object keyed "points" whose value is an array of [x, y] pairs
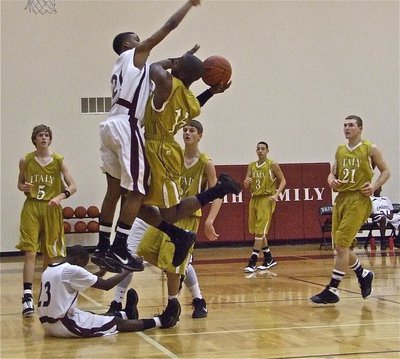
{"points": [[41, 6]]}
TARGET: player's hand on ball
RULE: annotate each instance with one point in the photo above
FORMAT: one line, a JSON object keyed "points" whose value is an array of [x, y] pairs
{"points": [[220, 88]]}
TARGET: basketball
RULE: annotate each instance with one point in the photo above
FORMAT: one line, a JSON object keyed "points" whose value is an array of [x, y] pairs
{"points": [[80, 212], [67, 212], [93, 212], [217, 69], [67, 227], [93, 226], [80, 227]]}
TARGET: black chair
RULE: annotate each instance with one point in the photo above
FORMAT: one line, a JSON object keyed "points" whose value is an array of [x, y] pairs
{"points": [[325, 223]]}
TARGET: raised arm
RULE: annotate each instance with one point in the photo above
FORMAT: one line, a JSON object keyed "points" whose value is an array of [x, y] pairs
{"points": [[162, 80], [143, 49]]}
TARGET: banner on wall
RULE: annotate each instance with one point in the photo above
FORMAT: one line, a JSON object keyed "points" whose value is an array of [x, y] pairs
{"points": [[296, 213]]}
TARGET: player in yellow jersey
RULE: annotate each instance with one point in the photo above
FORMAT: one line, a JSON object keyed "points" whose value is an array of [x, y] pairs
{"points": [[171, 106], [352, 177], [266, 181], [43, 175]]}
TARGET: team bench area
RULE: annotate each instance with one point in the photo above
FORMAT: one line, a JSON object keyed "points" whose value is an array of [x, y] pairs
{"points": [[325, 222]]}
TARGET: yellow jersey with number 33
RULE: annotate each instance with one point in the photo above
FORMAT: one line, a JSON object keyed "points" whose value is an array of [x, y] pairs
{"points": [[353, 166], [46, 180]]}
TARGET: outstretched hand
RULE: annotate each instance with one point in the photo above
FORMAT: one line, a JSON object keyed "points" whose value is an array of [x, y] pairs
{"points": [[220, 88]]}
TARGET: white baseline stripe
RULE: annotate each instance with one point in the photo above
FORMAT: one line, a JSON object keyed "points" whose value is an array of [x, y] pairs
{"points": [[157, 345], [97, 304], [283, 328]]}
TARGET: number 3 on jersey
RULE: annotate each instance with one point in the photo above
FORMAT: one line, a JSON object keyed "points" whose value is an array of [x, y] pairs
{"points": [[48, 294]]}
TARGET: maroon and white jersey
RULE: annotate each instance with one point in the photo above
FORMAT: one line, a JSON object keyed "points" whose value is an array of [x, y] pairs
{"points": [[130, 87], [60, 285], [121, 135]]}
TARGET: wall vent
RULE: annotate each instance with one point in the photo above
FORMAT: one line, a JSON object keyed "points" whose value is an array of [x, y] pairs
{"points": [[95, 105]]}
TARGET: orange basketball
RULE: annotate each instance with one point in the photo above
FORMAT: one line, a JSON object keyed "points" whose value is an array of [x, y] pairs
{"points": [[80, 227], [68, 212], [67, 227], [93, 212], [93, 226], [217, 70], [80, 212]]}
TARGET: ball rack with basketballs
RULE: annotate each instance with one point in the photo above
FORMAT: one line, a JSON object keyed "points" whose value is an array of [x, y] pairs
{"points": [[81, 220]]}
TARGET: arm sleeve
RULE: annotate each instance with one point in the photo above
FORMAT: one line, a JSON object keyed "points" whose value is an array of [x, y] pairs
{"points": [[204, 97]]}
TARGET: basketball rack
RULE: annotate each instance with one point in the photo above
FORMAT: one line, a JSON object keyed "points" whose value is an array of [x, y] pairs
{"points": [[41, 6]]}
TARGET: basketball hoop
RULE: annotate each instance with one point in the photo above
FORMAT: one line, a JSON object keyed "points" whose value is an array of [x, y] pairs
{"points": [[41, 6]]}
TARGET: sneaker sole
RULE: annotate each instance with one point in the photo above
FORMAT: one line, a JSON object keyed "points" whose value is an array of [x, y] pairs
{"points": [[235, 187], [199, 316], [174, 321], [176, 262], [267, 267], [133, 303], [369, 294], [250, 270], [323, 303], [28, 313], [102, 264], [112, 263]]}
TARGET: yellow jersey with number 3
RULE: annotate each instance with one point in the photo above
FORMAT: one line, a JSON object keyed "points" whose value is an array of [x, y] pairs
{"points": [[263, 180], [353, 166], [46, 180]]}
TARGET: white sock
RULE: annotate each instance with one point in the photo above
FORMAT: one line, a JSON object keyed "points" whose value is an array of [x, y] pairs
{"points": [[158, 322], [195, 291], [121, 288]]}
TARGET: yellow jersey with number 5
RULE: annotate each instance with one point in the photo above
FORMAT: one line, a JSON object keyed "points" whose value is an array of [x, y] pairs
{"points": [[46, 180], [180, 107], [353, 166]]}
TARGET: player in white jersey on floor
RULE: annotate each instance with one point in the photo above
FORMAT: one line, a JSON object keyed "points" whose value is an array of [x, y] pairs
{"points": [[60, 286]]}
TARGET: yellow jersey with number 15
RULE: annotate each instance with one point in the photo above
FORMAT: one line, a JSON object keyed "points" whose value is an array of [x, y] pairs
{"points": [[180, 107], [353, 166]]}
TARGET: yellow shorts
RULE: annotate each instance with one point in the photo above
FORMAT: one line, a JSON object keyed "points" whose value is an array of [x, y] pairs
{"points": [[42, 229], [261, 209], [350, 211], [156, 247], [166, 161]]}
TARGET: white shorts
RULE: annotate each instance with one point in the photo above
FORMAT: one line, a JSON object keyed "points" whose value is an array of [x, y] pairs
{"points": [[81, 324], [122, 152], [395, 221]]}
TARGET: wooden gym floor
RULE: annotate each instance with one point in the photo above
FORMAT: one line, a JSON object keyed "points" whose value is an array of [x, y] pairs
{"points": [[250, 316]]}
